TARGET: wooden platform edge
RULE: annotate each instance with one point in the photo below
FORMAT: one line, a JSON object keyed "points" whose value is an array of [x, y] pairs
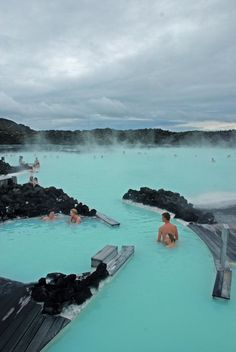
{"points": [[222, 285], [107, 220]]}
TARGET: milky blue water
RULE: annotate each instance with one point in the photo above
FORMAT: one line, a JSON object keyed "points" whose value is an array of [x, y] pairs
{"points": [[161, 300]]}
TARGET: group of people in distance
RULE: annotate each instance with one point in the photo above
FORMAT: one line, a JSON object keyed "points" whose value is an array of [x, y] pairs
{"points": [[74, 217], [23, 164], [33, 181], [168, 233]]}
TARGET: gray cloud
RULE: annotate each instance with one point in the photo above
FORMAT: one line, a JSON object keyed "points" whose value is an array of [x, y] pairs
{"points": [[122, 64]]}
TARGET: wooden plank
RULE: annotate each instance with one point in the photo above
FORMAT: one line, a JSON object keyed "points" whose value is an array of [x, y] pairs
{"points": [[29, 335], [58, 324], [107, 219], [218, 284], [115, 264], [37, 341], [10, 305], [105, 254], [226, 287], [211, 235], [27, 319], [222, 284], [210, 240], [14, 324]]}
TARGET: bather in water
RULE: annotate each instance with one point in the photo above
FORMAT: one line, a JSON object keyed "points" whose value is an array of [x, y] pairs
{"points": [[51, 216], [167, 229], [74, 217], [36, 163]]}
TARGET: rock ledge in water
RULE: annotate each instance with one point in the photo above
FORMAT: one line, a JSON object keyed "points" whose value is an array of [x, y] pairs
{"points": [[173, 202], [27, 201], [57, 290]]}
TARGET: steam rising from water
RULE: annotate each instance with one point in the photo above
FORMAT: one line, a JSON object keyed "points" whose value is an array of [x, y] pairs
{"points": [[214, 200]]}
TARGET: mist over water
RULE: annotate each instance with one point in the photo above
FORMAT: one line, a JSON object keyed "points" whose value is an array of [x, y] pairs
{"points": [[187, 170], [140, 297]]}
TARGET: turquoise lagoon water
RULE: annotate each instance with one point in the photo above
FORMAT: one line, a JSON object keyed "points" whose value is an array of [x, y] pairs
{"points": [[161, 300]]}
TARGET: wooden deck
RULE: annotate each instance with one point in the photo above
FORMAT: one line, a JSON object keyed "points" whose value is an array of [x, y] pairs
{"points": [[211, 235], [109, 221], [222, 286], [22, 326]]}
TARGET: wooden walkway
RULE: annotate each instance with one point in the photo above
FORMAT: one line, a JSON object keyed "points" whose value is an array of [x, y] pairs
{"points": [[22, 326], [211, 235]]}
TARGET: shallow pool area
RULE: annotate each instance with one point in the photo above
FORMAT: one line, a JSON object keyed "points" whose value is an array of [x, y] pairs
{"points": [[161, 300]]}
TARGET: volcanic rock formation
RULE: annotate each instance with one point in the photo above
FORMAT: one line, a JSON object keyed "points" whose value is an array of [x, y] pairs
{"points": [[172, 202], [29, 201], [58, 290]]}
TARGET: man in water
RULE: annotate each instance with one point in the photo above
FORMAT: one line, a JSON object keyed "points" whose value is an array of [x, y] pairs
{"points": [[167, 229], [50, 216], [74, 217]]}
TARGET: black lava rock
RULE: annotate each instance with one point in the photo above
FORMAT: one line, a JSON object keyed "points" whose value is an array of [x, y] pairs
{"points": [[29, 201], [58, 290], [172, 202]]}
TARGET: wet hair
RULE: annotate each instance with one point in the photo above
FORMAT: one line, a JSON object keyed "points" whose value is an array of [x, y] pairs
{"points": [[166, 215], [171, 237], [74, 211]]}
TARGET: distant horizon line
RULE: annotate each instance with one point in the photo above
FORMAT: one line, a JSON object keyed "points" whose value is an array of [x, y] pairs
{"points": [[118, 129]]}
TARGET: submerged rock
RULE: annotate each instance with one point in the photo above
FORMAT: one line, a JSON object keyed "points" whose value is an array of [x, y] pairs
{"points": [[173, 202], [58, 290], [29, 201]]}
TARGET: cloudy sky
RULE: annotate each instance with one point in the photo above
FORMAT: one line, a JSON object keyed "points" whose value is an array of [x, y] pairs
{"points": [[81, 64]]}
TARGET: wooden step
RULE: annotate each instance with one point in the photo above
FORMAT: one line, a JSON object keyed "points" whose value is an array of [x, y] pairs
{"points": [[107, 220], [115, 264], [105, 254], [222, 286]]}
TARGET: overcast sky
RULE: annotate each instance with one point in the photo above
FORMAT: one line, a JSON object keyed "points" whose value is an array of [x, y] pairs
{"points": [[74, 64]]}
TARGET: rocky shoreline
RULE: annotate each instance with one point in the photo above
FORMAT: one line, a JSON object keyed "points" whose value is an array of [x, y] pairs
{"points": [[172, 202], [26, 201]]}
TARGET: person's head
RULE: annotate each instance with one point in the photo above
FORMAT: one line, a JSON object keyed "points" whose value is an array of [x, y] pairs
{"points": [[166, 217], [73, 212], [169, 239], [51, 215], [35, 179], [31, 178]]}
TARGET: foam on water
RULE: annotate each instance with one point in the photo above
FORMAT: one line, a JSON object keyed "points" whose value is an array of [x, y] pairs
{"points": [[161, 300]]}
